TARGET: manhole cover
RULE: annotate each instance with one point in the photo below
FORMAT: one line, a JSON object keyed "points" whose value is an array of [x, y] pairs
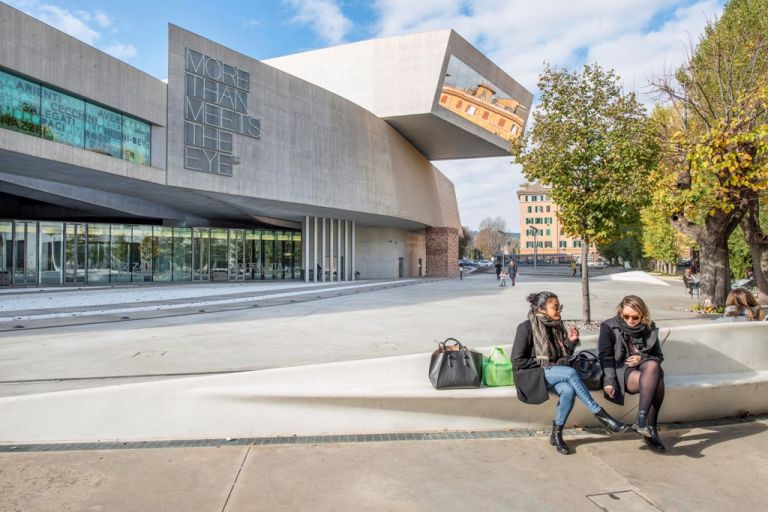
{"points": [[623, 501]]}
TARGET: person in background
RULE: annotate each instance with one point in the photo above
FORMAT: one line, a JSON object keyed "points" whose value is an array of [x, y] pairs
{"points": [[498, 269], [461, 271], [512, 271], [630, 354], [741, 306], [573, 267], [540, 364]]}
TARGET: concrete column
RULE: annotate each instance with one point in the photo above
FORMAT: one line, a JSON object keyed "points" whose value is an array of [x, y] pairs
{"points": [[354, 277], [314, 249], [346, 251], [305, 244], [338, 249], [322, 254], [330, 249]]}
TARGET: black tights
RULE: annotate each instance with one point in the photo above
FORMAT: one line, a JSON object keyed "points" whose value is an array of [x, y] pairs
{"points": [[647, 380]]}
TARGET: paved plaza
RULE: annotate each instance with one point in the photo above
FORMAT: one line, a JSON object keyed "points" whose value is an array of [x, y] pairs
{"points": [[711, 465]]}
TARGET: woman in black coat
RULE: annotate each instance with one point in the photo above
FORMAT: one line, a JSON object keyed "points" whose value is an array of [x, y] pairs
{"points": [[539, 357], [630, 354]]}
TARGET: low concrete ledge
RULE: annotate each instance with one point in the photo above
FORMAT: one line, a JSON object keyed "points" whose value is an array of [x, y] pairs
{"points": [[712, 371]]}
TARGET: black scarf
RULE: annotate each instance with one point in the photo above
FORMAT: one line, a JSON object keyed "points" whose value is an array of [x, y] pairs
{"points": [[635, 336]]}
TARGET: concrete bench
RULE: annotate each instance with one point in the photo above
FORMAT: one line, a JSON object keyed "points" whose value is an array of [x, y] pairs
{"points": [[712, 371]]}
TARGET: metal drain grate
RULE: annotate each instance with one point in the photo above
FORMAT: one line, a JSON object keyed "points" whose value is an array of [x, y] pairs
{"points": [[623, 501]]}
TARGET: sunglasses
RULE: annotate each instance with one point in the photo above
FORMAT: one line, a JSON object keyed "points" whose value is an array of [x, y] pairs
{"points": [[559, 307], [631, 317]]}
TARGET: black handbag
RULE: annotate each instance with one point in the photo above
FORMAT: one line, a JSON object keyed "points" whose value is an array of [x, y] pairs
{"points": [[454, 366], [587, 365]]}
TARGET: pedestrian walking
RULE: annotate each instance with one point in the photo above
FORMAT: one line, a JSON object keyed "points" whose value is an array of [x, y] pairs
{"points": [[461, 271], [512, 271], [498, 269]]}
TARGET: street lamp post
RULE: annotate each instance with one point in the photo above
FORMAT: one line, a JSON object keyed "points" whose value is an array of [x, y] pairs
{"points": [[535, 247]]}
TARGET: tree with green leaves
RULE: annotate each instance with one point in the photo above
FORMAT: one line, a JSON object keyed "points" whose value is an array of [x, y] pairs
{"points": [[593, 144], [714, 140]]}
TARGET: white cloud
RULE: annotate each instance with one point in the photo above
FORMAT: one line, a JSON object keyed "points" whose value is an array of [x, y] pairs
{"points": [[66, 21], [635, 37], [83, 25], [121, 51], [324, 17]]}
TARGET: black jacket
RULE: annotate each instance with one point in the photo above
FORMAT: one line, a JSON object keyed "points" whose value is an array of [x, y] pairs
{"points": [[529, 375], [612, 352]]}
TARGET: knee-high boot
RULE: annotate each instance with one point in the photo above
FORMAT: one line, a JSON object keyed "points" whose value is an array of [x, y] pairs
{"points": [[556, 439]]}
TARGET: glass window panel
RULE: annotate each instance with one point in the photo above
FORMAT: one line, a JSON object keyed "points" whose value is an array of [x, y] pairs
{"points": [[19, 104], [137, 136], [6, 252], [182, 254], [463, 85], [219, 262], [253, 254], [74, 255], [298, 255], [236, 253], [98, 253], [51, 253], [25, 242], [201, 254], [162, 254], [103, 131], [63, 118], [121, 253], [269, 263], [143, 249]]}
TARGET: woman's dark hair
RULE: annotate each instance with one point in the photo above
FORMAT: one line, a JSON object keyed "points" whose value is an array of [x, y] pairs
{"points": [[539, 300]]}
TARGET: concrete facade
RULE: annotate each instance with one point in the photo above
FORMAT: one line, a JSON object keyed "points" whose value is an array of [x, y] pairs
{"points": [[319, 153]]}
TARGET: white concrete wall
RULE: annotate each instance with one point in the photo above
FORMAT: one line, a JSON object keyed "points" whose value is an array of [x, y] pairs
{"points": [[378, 250]]}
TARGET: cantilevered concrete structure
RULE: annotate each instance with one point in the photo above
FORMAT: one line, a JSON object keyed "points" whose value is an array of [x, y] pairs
{"points": [[234, 169]]}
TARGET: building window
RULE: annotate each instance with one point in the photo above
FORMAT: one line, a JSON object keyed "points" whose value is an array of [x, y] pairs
{"points": [[443, 98], [563, 244], [502, 122], [548, 245], [529, 209], [547, 208], [35, 109], [577, 243], [471, 109], [485, 115], [19, 104], [514, 129], [459, 104], [548, 232]]}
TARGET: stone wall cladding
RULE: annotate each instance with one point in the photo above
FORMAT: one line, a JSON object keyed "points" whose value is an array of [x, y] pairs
{"points": [[442, 246]]}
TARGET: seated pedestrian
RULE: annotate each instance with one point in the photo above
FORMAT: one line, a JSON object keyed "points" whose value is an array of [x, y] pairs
{"points": [[741, 306], [630, 354], [540, 363]]}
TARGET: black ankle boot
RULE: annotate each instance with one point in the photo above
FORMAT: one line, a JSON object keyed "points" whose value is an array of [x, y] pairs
{"points": [[654, 442], [610, 424], [641, 427], [556, 439]]}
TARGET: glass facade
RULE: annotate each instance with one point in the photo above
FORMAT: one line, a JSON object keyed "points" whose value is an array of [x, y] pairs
{"points": [[36, 253], [38, 110], [470, 95]]}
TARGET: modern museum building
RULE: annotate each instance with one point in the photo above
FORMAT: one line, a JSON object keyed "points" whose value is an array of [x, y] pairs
{"points": [[314, 166]]}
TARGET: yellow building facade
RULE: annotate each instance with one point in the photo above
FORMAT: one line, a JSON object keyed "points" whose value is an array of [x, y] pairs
{"points": [[541, 232]]}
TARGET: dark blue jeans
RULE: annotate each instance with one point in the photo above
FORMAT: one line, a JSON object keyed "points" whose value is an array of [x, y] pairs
{"points": [[564, 381]]}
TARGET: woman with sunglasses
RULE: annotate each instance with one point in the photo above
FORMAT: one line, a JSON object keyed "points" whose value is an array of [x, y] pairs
{"points": [[539, 357], [630, 354]]}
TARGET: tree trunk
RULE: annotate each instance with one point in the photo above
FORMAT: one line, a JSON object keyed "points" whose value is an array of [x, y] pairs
{"points": [[585, 281], [715, 269], [758, 248]]}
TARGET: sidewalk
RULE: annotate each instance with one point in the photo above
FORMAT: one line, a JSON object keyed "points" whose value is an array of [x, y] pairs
{"points": [[710, 467]]}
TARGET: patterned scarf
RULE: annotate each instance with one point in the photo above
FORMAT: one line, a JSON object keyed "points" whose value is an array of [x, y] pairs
{"points": [[547, 350]]}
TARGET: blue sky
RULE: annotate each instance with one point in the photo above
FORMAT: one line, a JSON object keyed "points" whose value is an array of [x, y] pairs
{"points": [[638, 38]]}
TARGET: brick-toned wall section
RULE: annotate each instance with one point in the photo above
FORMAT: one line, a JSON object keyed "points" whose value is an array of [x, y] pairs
{"points": [[442, 252]]}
